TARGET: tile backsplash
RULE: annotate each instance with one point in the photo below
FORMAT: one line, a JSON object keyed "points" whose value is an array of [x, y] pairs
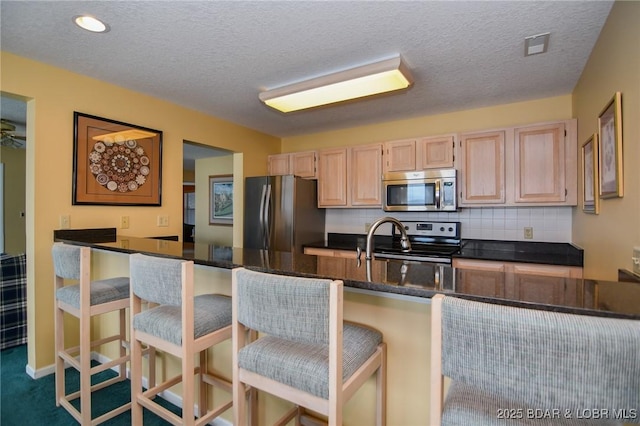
{"points": [[550, 224]]}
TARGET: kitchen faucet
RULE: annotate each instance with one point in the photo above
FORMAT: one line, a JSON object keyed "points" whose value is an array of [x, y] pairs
{"points": [[404, 240]]}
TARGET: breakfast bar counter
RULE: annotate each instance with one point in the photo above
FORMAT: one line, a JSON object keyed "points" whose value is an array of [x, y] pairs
{"points": [[393, 297], [395, 278]]}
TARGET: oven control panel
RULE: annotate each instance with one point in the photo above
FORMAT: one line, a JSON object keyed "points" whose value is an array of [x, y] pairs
{"points": [[433, 229]]}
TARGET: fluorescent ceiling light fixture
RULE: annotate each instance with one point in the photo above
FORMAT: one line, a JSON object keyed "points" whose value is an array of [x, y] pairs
{"points": [[379, 77], [90, 23], [536, 44]]}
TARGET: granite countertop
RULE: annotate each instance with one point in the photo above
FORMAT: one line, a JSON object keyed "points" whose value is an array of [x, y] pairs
{"points": [[563, 254], [393, 277]]}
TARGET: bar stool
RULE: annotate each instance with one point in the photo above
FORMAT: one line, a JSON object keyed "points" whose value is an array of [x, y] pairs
{"points": [[84, 300], [524, 366], [181, 325], [305, 354]]}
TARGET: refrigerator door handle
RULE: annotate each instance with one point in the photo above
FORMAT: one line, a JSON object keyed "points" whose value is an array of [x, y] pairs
{"points": [[261, 212], [267, 223]]}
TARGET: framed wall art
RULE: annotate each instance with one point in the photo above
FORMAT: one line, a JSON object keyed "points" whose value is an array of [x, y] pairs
{"points": [[590, 198], [610, 134], [221, 200], [115, 163]]}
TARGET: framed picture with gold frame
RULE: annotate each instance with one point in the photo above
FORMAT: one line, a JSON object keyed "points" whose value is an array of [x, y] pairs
{"points": [[590, 198], [115, 163], [610, 137]]}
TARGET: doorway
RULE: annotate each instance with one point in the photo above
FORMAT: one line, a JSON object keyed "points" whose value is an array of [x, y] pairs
{"points": [[13, 239], [199, 163]]}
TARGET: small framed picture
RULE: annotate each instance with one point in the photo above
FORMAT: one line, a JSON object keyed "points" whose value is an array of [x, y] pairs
{"points": [[221, 200], [610, 133], [590, 199]]}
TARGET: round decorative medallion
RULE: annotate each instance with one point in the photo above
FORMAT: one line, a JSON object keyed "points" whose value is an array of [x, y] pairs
{"points": [[120, 165]]}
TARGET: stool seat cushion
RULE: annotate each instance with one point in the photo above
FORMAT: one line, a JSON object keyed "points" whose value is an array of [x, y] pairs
{"points": [[467, 405], [102, 291], [305, 366], [212, 312]]}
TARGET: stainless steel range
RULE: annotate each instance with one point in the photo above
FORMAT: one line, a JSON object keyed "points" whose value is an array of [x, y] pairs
{"points": [[434, 242]]}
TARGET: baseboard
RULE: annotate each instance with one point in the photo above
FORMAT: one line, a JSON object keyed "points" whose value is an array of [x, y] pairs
{"points": [[41, 372]]}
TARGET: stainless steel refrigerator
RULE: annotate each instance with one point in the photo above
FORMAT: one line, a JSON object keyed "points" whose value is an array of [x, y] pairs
{"points": [[281, 213]]}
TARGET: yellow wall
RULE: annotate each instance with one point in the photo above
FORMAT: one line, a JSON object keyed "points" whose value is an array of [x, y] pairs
{"points": [[614, 65], [537, 111], [53, 95], [14, 199]]}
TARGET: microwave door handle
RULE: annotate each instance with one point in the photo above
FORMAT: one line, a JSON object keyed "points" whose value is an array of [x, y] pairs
{"points": [[438, 194]]}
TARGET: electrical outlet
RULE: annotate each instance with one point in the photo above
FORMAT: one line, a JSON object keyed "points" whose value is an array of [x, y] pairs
{"points": [[528, 232], [124, 222], [65, 221], [163, 220]]}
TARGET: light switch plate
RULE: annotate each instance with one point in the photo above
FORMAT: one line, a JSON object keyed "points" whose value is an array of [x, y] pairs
{"points": [[636, 260]]}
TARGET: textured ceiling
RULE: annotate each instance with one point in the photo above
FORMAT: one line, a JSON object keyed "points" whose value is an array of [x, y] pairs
{"points": [[216, 56]]}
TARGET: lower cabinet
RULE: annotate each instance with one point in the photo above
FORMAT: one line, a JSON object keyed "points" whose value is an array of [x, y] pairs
{"points": [[342, 263], [538, 283]]}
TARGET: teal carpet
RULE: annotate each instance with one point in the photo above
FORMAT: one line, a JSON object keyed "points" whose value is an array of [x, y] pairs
{"points": [[24, 401]]}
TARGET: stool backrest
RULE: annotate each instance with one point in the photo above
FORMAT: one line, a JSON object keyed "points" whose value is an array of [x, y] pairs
{"points": [[542, 358], [288, 307], [66, 260], [155, 279]]}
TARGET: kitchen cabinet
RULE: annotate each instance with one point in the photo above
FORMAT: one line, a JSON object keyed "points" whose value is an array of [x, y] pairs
{"points": [[521, 281], [350, 177], [539, 164], [341, 263], [479, 277], [301, 164], [332, 178], [365, 175], [533, 165], [278, 164], [419, 154], [519, 268], [400, 156], [482, 174]]}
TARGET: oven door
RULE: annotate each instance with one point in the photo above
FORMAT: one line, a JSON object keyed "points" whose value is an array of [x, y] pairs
{"points": [[411, 195]]}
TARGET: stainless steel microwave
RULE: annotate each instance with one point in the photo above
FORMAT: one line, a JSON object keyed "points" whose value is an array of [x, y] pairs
{"points": [[428, 190]]}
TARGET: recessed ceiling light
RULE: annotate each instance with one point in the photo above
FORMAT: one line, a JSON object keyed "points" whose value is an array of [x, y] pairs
{"points": [[90, 23], [536, 44]]}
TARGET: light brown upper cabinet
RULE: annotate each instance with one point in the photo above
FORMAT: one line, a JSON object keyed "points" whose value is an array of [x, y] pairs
{"points": [[332, 177], [533, 165], [278, 164], [539, 165], [350, 177], [410, 155], [400, 156], [301, 164], [482, 159]]}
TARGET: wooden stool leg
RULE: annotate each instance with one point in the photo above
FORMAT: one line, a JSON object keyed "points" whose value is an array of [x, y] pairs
{"points": [[85, 369], [202, 405], [188, 391], [381, 389], [59, 337], [122, 368], [136, 381]]}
